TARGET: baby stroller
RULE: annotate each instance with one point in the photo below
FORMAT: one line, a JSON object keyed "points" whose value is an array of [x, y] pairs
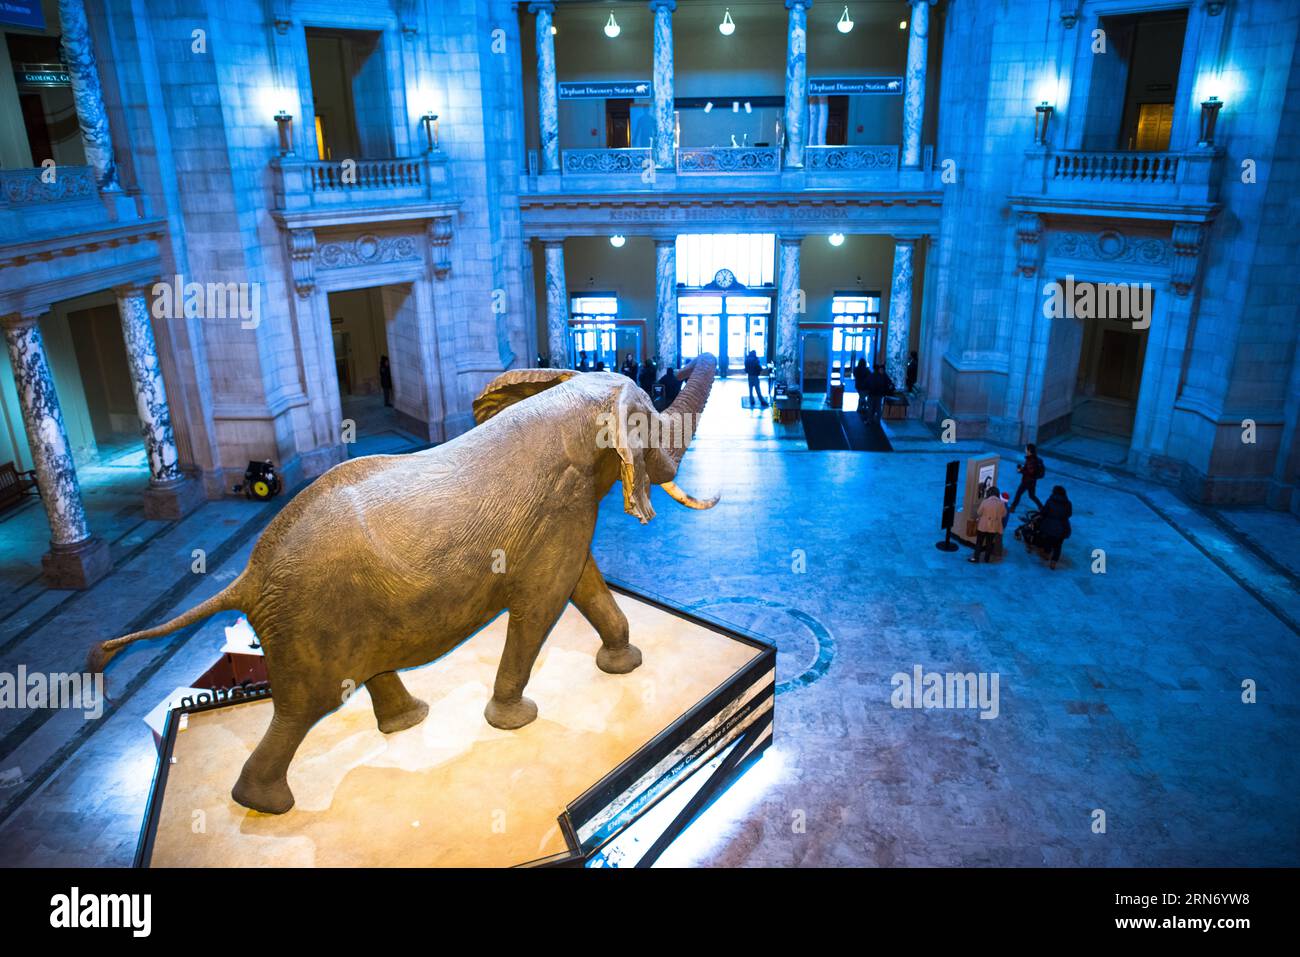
{"points": [[1029, 532]]}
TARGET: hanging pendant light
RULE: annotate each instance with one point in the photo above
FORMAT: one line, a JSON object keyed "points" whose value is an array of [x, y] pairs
{"points": [[845, 24], [617, 240], [728, 26], [612, 29]]}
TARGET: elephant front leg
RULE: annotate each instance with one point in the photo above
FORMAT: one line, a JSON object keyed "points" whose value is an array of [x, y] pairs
{"points": [[593, 598], [394, 706]]}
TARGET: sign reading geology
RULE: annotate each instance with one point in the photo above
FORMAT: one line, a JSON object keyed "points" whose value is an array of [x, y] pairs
{"points": [[602, 89], [855, 85]]}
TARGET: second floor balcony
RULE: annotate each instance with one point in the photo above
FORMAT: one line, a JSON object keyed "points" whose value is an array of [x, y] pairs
{"points": [[1122, 182], [732, 169], [323, 186]]}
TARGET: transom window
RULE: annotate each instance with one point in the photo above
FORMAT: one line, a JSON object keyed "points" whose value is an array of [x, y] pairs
{"points": [[750, 256]]}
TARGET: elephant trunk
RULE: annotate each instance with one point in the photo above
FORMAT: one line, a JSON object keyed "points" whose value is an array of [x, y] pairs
{"points": [[677, 422]]}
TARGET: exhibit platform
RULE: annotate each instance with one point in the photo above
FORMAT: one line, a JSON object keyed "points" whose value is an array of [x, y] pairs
{"points": [[612, 770]]}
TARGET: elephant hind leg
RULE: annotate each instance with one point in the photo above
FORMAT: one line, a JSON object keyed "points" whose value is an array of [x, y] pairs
{"points": [[592, 597], [394, 706], [263, 784], [530, 623]]}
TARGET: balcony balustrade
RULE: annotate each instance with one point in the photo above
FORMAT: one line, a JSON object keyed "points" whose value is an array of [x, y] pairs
{"points": [[632, 161], [850, 158], [729, 159], [1122, 178], [59, 200], [303, 185]]}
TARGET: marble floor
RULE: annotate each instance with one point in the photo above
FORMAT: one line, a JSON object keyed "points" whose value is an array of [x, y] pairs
{"points": [[1121, 736]]}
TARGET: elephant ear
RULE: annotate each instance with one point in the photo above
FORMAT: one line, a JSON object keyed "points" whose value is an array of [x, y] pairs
{"points": [[514, 386], [631, 428]]}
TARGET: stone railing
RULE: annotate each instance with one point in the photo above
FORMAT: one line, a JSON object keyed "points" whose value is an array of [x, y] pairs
{"points": [[28, 187], [366, 174], [1082, 166], [729, 159], [850, 158], [605, 161], [302, 184], [1122, 179]]}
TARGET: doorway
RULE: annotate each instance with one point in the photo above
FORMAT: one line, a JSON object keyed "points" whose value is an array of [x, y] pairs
{"points": [[349, 92], [728, 325], [1134, 88], [359, 328]]}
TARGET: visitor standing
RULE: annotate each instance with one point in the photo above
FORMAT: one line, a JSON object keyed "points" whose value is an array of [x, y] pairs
{"points": [[583, 364], [1030, 472], [861, 382], [1054, 523], [386, 379], [753, 369], [991, 519], [646, 379], [671, 386]]}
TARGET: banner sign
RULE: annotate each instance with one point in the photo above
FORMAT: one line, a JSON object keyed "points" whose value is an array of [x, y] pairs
{"points": [[22, 13], [41, 74], [854, 85], [602, 89]]}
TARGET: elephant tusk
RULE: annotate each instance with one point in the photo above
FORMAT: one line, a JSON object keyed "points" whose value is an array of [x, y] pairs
{"points": [[687, 500]]}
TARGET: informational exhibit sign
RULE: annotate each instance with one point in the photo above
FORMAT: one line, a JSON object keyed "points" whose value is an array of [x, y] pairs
{"points": [[855, 85], [981, 475], [603, 89], [41, 74], [22, 13]]}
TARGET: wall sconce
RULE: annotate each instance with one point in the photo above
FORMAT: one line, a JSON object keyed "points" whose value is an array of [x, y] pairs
{"points": [[1209, 119], [612, 29], [845, 24], [728, 26], [1042, 113], [617, 240], [284, 123], [430, 121], [836, 239], [902, 24]]}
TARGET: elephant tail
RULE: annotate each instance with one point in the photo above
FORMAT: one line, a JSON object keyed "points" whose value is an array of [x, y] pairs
{"points": [[233, 596]]}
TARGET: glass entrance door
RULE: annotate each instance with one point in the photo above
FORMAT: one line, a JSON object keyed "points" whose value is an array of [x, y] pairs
{"points": [[700, 319], [849, 344], [747, 318]]}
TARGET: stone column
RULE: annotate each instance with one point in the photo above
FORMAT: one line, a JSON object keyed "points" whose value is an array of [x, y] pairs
{"points": [[796, 82], [918, 38], [79, 56], [171, 494], [666, 325], [548, 111], [789, 303], [664, 156], [557, 304], [76, 558], [900, 312]]}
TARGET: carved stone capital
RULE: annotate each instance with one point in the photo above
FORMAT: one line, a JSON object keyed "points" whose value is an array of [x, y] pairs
{"points": [[302, 255], [1029, 230], [1069, 12]]}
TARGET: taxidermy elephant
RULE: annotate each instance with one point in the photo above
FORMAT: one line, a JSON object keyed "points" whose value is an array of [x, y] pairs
{"points": [[388, 562]]}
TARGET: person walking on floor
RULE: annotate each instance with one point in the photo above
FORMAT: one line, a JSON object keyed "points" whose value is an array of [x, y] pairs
{"points": [[1030, 472], [753, 369], [646, 377], [1054, 523], [861, 381], [386, 379], [991, 519], [879, 385]]}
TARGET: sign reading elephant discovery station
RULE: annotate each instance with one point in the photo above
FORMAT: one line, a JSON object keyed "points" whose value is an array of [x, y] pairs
{"points": [[855, 85], [605, 90]]}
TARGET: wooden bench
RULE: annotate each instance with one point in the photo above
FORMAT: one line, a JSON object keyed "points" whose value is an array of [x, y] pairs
{"points": [[14, 485]]}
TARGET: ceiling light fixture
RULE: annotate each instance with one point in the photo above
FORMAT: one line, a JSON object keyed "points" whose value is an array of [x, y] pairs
{"points": [[836, 239], [749, 107], [902, 24], [617, 240], [708, 107], [612, 29], [735, 106], [845, 24], [728, 26]]}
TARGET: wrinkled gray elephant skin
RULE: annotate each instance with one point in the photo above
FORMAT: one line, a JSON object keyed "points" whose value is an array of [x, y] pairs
{"points": [[388, 562]]}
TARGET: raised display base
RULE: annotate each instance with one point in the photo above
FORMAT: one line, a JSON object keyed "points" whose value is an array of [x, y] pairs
{"points": [[454, 791]]}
